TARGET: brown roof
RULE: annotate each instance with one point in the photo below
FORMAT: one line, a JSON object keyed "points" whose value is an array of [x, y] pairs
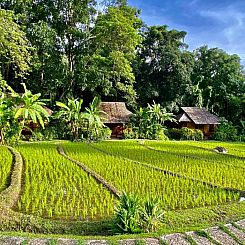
{"points": [[183, 118], [198, 116], [116, 112]]}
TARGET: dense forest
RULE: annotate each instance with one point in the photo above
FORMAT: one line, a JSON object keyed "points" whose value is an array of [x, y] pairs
{"points": [[83, 48]]}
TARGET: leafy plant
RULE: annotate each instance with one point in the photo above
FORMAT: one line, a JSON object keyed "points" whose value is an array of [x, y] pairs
{"points": [[72, 115], [30, 108], [127, 213], [185, 134], [95, 129], [226, 132], [151, 215], [148, 123]]}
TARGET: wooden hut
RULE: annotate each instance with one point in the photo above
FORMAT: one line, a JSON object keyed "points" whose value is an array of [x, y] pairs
{"points": [[115, 117], [198, 118]]}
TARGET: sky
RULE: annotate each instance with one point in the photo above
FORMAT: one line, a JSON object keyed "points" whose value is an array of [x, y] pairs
{"points": [[216, 23]]}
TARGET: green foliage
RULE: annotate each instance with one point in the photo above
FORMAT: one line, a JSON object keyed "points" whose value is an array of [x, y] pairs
{"points": [[93, 118], [99, 48], [86, 124], [6, 118], [72, 115], [185, 134], [226, 132], [56, 130], [163, 67], [148, 123], [151, 215], [219, 79], [14, 49], [129, 133], [52, 242], [191, 134], [9, 126], [29, 107], [80, 50], [127, 213], [116, 38]]}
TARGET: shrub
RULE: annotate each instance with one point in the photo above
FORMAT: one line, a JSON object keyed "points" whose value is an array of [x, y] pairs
{"points": [[127, 213], [148, 123], [174, 133], [130, 134], [98, 134], [185, 134], [105, 133], [198, 134], [37, 136], [151, 215], [160, 135], [132, 217], [226, 132]]}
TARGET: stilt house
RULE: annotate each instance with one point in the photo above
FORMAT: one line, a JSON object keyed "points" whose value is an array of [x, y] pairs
{"points": [[115, 117], [198, 118]]}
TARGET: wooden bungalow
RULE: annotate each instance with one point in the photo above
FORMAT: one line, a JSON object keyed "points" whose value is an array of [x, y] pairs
{"points": [[115, 117], [198, 118]]}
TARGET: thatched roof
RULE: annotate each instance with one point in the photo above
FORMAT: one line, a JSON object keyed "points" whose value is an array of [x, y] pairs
{"points": [[116, 112], [197, 115]]}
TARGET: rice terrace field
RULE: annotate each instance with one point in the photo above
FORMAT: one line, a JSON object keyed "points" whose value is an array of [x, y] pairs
{"points": [[78, 191]]}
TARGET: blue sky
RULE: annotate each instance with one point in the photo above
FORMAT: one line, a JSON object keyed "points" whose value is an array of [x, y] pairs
{"points": [[217, 23]]}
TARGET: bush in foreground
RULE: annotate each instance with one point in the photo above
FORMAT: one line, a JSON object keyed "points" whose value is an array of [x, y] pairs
{"points": [[134, 217]]}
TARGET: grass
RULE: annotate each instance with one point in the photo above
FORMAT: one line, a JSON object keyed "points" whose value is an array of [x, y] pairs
{"points": [[5, 167], [60, 191], [227, 231], [207, 235], [126, 175], [183, 159]]}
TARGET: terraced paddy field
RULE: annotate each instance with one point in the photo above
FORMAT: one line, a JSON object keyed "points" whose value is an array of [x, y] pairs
{"points": [[5, 167], [73, 187]]}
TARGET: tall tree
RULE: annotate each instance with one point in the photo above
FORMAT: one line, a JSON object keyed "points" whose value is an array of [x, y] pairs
{"points": [[109, 69], [163, 68], [81, 50], [220, 80], [14, 48]]}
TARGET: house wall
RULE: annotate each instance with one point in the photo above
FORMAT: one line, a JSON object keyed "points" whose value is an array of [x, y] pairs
{"points": [[207, 129], [117, 129], [187, 125]]}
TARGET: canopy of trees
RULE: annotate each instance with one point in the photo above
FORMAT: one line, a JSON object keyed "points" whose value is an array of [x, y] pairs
{"points": [[85, 48]]}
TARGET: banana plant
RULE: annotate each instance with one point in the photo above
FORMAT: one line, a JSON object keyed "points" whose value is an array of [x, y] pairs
{"points": [[149, 121], [72, 114], [94, 117], [29, 107]]}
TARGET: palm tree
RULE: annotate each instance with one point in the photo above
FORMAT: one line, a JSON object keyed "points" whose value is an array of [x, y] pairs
{"points": [[30, 107], [71, 113]]}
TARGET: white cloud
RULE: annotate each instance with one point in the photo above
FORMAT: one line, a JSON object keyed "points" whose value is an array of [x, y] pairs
{"points": [[232, 19], [230, 23]]}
